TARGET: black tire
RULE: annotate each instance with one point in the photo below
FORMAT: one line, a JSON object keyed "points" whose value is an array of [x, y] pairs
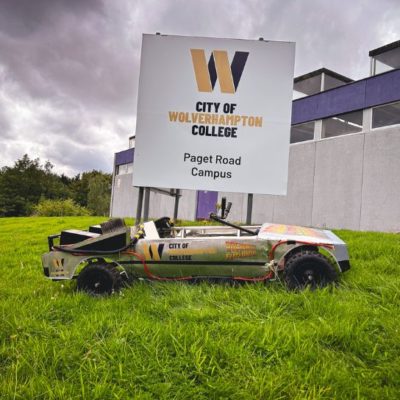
{"points": [[308, 269], [99, 279]]}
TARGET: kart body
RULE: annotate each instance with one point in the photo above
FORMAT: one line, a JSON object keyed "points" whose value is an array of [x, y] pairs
{"points": [[106, 257]]}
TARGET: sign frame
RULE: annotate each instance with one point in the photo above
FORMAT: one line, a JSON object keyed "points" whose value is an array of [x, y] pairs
{"points": [[214, 114]]}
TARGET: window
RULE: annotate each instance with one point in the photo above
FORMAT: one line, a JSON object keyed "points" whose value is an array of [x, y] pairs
{"points": [[302, 132], [389, 114], [308, 84], [332, 82], [124, 169], [298, 95], [381, 67], [386, 59], [342, 124]]}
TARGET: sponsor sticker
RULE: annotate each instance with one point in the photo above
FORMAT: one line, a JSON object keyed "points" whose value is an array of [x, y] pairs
{"points": [[236, 250], [293, 230]]}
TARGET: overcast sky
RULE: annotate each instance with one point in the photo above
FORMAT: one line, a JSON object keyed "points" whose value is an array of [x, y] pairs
{"points": [[69, 69]]}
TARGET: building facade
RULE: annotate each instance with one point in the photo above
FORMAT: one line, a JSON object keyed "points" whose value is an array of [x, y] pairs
{"points": [[344, 158]]}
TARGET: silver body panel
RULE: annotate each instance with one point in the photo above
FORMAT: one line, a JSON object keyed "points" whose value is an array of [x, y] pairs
{"points": [[203, 251]]}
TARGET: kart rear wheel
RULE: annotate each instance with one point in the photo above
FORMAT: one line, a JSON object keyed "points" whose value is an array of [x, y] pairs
{"points": [[99, 279], [308, 269]]}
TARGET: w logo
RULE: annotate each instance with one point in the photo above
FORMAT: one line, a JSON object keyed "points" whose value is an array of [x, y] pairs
{"points": [[153, 251], [218, 66]]}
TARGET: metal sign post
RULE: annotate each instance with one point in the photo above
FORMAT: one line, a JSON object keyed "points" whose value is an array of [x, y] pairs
{"points": [[139, 206], [249, 208], [177, 196], [144, 201]]}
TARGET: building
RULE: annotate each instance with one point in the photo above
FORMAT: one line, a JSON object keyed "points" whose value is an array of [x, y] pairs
{"points": [[344, 157]]}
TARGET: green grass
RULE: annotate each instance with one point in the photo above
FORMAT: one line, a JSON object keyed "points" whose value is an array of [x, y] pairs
{"points": [[181, 341]]}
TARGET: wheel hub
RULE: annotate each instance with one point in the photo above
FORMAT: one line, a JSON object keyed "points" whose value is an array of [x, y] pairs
{"points": [[309, 275]]}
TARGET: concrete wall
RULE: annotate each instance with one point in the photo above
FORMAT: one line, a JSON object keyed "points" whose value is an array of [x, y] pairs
{"points": [[381, 181], [337, 182], [345, 182], [348, 182], [163, 206], [239, 205], [125, 195], [296, 207]]}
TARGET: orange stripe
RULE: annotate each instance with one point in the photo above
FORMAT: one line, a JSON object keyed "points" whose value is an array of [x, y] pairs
{"points": [[224, 71], [146, 252], [154, 250], [201, 70]]}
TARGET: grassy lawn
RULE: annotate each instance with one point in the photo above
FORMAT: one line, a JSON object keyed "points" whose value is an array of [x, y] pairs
{"points": [[181, 341]]}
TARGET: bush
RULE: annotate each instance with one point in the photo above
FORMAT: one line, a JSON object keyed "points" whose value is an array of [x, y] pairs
{"points": [[58, 208]]}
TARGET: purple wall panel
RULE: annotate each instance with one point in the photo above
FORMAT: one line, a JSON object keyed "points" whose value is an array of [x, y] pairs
{"points": [[304, 109], [383, 88], [124, 157], [369, 92], [206, 201], [341, 100]]}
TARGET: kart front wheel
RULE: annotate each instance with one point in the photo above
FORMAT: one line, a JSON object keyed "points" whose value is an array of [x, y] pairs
{"points": [[99, 279], [308, 269]]}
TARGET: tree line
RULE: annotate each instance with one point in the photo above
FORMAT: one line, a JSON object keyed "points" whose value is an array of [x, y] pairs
{"points": [[28, 183]]}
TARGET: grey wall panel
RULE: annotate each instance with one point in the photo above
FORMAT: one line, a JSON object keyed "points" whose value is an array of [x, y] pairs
{"points": [[296, 207], [263, 209], [161, 205], [337, 182], [187, 205], [124, 197], [381, 183], [239, 205]]}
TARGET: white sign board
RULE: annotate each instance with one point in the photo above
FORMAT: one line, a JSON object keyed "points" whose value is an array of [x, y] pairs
{"points": [[214, 114]]}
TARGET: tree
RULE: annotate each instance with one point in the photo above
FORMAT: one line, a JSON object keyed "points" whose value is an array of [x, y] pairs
{"points": [[99, 194], [80, 186], [27, 182], [22, 185]]}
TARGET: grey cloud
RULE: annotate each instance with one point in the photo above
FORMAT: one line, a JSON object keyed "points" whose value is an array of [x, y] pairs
{"points": [[82, 158], [80, 55], [69, 69], [5, 125], [20, 18], [337, 35]]}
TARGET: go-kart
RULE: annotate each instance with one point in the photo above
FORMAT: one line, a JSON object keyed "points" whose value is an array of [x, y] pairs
{"points": [[111, 255]]}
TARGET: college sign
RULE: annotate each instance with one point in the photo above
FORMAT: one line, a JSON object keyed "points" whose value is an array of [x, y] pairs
{"points": [[214, 114]]}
